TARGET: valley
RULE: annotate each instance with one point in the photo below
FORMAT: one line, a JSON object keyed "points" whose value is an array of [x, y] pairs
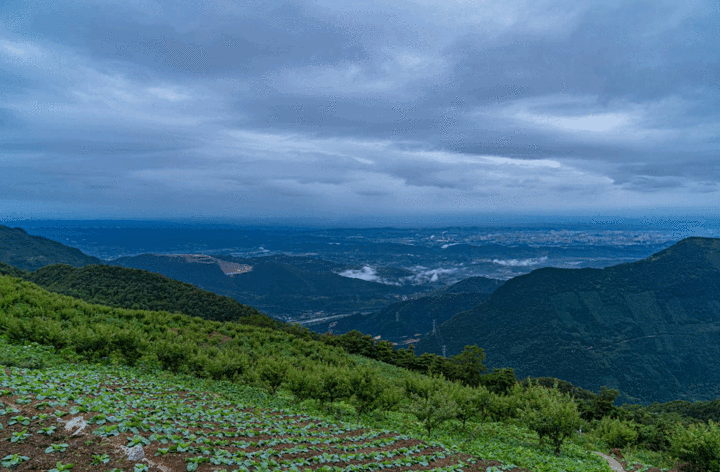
{"points": [[622, 324]]}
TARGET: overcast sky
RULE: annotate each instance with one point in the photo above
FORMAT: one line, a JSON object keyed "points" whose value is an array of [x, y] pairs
{"points": [[360, 109]]}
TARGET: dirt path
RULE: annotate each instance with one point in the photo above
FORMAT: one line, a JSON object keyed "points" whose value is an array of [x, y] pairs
{"points": [[614, 465]]}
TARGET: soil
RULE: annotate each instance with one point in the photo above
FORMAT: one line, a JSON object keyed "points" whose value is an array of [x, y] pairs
{"points": [[84, 448]]}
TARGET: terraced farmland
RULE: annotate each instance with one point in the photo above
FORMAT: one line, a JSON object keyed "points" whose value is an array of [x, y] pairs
{"points": [[118, 419]]}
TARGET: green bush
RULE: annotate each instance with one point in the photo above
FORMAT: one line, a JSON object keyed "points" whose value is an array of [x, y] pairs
{"points": [[367, 391], [698, 444], [431, 400], [616, 433], [551, 414], [272, 372]]}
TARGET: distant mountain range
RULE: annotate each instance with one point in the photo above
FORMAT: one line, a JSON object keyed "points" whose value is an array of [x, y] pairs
{"points": [[281, 286], [650, 328], [404, 322], [23, 251]]}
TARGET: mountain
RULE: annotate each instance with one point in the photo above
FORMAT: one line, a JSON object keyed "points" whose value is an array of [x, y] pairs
{"points": [[24, 251], [475, 285], [650, 328], [274, 285], [402, 322], [141, 290]]}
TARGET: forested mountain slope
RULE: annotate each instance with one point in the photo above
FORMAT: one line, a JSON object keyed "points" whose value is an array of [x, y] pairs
{"points": [[274, 286], [401, 322], [650, 328], [24, 251], [141, 290]]}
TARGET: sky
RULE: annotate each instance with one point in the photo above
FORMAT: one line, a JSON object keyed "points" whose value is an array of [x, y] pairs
{"points": [[382, 111]]}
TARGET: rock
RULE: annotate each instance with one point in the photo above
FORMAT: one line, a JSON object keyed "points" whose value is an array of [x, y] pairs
{"points": [[135, 453], [78, 422]]}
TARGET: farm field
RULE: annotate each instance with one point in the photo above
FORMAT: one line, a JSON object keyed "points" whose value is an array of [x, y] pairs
{"points": [[93, 417]]}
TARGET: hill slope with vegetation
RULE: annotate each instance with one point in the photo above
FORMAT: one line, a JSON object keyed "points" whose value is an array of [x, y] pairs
{"points": [[141, 290], [401, 322], [21, 250], [650, 328], [531, 426], [274, 285]]}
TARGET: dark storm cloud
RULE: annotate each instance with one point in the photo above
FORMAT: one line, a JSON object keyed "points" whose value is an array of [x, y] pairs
{"points": [[228, 108]]}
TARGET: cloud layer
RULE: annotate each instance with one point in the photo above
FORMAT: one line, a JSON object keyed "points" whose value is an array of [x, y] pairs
{"points": [[361, 109]]}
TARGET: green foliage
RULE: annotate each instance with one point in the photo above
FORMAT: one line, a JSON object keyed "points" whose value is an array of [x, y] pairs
{"points": [[431, 400], [368, 392], [499, 381], [12, 460], [596, 327], [138, 289], [59, 467], [471, 403], [470, 365], [698, 444], [601, 406], [27, 252], [616, 433], [551, 414], [272, 372], [334, 384], [699, 410], [303, 383]]}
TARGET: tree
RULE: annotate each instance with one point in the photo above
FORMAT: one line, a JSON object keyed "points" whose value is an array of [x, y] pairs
{"points": [[303, 383], [430, 401], [470, 365], [499, 381], [551, 414], [470, 402], [367, 391], [334, 385], [273, 372], [699, 444]]}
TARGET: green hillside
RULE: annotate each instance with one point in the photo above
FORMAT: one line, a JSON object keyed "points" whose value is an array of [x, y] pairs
{"points": [[475, 285], [483, 429], [141, 290], [403, 321], [24, 251], [650, 328]]}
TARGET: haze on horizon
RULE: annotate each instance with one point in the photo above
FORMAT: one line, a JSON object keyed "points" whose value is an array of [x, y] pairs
{"points": [[367, 110]]}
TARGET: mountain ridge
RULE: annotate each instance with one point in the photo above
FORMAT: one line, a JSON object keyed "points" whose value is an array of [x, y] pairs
{"points": [[633, 326], [24, 251]]}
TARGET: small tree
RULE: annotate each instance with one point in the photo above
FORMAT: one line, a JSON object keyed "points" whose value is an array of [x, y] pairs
{"points": [[470, 365], [471, 403], [303, 383], [273, 372], [367, 391], [334, 385], [551, 414], [430, 401], [602, 405], [699, 444], [499, 381], [616, 433]]}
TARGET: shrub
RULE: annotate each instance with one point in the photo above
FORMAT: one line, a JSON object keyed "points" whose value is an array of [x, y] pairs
{"points": [[430, 401], [272, 372], [551, 414], [616, 433], [698, 444]]}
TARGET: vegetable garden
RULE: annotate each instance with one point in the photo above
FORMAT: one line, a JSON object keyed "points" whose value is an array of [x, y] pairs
{"points": [[93, 417]]}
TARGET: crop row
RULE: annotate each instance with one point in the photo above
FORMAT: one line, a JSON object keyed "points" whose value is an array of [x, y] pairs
{"points": [[199, 429]]}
